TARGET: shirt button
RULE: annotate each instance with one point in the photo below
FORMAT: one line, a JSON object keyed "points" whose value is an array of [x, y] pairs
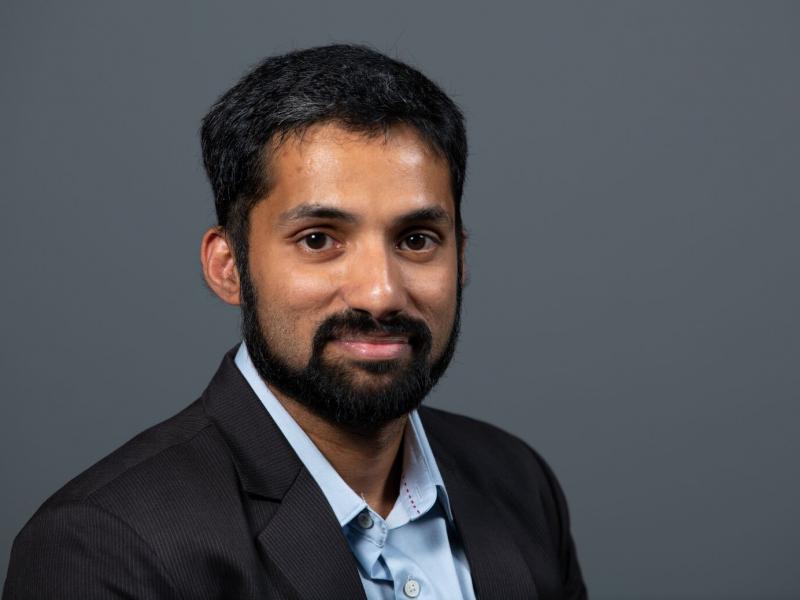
{"points": [[365, 521], [411, 588]]}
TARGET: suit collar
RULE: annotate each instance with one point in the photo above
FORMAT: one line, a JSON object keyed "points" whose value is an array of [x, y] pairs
{"points": [[301, 536], [346, 504], [265, 461]]}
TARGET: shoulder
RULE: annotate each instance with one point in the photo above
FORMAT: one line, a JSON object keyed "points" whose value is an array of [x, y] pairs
{"points": [[157, 481], [494, 461], [114, 514], [165, 449], [156, 485], [481, 444]]}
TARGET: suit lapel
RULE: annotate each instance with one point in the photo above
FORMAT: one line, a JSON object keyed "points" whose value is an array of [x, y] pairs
{"points": [[497, 565], [304, 540], [301, 537]]}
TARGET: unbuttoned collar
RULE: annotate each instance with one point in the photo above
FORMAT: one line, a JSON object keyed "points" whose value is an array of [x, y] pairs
{"points": [[421, 482]]}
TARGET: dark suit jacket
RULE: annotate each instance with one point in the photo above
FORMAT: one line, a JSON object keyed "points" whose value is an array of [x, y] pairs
{"points": [[214, 503]]}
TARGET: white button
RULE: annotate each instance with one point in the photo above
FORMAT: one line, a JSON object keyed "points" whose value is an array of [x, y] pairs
{"points": [[365, 521], [411, 588]]}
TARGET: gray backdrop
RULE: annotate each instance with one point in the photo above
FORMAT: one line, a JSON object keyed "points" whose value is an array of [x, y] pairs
{"points": [[633, 208]]}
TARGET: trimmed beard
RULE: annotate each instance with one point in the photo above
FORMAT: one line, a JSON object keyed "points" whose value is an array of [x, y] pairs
{"points": [[329, 389]]}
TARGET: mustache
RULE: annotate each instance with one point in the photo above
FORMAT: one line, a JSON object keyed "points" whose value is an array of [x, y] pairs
{"points": [[354, 322]]}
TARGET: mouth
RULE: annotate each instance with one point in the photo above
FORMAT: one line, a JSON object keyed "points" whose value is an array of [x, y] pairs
{"points": [[374, 347]]}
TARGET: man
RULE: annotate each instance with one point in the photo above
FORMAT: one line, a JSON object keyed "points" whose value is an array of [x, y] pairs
{"points": [[306, 469]]}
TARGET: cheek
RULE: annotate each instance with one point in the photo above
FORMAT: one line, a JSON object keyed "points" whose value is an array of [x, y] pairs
{"points": [[435, 298], [291, 304], [291, 288], [308, 293]]}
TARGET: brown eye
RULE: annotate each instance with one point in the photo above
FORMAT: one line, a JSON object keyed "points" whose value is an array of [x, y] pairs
{"points": [[317, 241], [417, 242]]}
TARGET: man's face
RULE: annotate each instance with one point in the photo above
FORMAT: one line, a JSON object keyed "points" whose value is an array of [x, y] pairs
{"points": [[351, 303]]}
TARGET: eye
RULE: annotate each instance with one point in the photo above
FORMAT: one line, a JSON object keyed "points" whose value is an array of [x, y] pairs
{"points": [[418, 242], [317, 241]]}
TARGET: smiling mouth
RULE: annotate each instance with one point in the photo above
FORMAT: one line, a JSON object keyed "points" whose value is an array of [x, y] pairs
{"points": [[374, 347]]}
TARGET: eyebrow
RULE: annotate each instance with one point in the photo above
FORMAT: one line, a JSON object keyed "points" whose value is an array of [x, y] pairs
{"points": [[316, 211], [432, 214]]}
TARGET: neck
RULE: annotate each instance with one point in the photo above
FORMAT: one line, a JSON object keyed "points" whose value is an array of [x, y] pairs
{"points": [[370, 461]]}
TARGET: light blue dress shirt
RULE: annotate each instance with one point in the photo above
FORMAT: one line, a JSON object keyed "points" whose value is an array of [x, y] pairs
{"points": [[407, 555]]}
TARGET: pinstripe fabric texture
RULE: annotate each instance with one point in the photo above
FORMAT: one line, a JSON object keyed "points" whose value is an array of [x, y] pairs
{"points": [[213, 503]]}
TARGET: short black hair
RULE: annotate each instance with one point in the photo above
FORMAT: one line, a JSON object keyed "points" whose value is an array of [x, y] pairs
{"points": [[355, 86]]}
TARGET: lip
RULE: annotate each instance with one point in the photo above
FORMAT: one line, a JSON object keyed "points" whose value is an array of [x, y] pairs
{"points": [[374, 348]]}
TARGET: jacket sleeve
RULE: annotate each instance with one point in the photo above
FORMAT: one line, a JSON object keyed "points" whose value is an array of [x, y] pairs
{"points": [[84, 552]]}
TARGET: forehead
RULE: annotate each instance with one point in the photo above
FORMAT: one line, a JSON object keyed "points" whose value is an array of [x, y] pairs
{"points": [[385, 172]]}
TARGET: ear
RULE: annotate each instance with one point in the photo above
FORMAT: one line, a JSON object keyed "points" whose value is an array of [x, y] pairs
{"points": [[219, 265]]}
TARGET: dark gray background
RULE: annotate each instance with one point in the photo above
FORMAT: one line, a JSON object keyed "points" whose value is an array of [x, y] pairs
{"points": [[633, 207]]}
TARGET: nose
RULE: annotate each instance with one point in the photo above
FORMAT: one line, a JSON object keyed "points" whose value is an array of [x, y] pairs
{"points": [[374, 282]]}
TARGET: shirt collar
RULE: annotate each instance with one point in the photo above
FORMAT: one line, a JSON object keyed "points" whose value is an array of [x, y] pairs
{"points": [[420, 470], [421, 482]]}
